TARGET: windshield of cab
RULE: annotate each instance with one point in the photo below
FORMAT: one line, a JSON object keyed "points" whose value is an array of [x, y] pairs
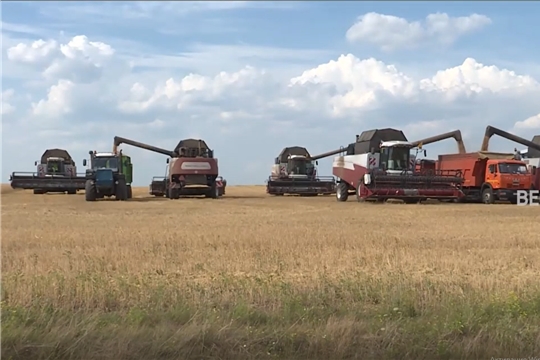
{"points": [[105, 163], [299, 166], [395, 158], [511, 168]]}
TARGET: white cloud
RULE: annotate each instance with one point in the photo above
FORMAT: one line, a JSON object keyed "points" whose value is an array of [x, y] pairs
{"points": [[36, 52], [58, 101], [391, 32], [530, 123], [249, 114], [7, 108]]}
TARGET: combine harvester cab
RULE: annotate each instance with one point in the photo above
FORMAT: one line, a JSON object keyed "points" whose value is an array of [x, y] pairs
{"points": [[379, 166], [56, 173], [109, 174], [530, 158], [295, 172], [192, 170]]}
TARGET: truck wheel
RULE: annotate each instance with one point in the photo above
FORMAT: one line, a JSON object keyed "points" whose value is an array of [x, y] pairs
{"points": [[121, 192], [90, 193], [342, 192], [129, 192], [487, 196]]}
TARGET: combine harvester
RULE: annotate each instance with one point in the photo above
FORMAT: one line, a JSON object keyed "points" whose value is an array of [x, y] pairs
{"points": [[109, 174], [192, 169], [295, 172], [380, 166], [56, 173]]}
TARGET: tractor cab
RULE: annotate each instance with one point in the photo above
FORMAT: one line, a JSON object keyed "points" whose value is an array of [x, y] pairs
{"points": [[103, 161], [298, 166]]}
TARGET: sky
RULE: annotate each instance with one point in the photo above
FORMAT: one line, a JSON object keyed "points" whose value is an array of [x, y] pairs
{"points": [[251, 78]]}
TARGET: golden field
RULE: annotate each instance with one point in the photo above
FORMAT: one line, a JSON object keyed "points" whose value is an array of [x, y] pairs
{"points": [[250, 276]]}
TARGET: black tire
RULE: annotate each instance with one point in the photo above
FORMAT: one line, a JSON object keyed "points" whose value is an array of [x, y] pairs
{"points": [[38, 192], [72, 192], [121, 191], [214, 191], [90, 193], [174, 193], [129, 192], [342, 192], [411, 201], [487, 196]]}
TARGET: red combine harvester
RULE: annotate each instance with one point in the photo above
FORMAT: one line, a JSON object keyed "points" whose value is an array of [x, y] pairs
{"points": [[295, 172], [531, 157], [192, 169], [379, 166]]}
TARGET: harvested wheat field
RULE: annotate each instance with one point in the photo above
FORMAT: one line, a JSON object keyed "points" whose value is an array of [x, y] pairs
{"points": [[250, 276]]}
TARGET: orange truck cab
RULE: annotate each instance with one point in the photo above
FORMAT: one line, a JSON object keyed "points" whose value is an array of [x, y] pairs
{"points": [[488, 176]]}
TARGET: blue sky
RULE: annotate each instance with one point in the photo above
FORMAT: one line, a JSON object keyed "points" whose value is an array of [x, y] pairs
{"points": [[263, 76]]}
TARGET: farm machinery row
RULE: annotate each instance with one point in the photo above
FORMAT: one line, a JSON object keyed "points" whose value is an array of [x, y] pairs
{"points": [[192, 170], [380, 166]]}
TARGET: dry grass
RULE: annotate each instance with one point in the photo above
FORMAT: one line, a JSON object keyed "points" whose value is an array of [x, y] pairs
{"points": [[252, 277]]}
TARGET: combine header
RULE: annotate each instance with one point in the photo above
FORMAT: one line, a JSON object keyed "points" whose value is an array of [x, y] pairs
{"points": [[295, 172], [192, 169], [56, 173], [379, 166]]}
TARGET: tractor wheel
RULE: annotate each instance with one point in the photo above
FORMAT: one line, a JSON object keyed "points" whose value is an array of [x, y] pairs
{"points": [[487, 196], [121, 191], [129, 192], [90, 193], [342, 192]]}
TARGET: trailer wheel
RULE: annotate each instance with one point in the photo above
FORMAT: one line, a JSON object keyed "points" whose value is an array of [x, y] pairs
{"points": [[90, 193], [342, 192], [487, 195]]}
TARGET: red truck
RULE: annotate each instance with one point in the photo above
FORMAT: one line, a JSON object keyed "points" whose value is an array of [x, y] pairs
{"points": [[488, 176]]}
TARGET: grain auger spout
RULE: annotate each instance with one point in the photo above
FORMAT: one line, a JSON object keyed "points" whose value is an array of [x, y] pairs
{"points": [[490, 131], [120, 140], [456, 134]]}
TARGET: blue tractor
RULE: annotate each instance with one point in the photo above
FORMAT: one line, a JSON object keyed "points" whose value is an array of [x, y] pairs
{"points": [[109, 174]]}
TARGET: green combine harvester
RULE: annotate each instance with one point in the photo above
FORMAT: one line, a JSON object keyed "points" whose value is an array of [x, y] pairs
{"points": [[109, 174]]}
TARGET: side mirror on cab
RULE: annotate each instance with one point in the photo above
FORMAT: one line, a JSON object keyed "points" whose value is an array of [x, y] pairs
{"points": [[168, 160], [84, 162], [316, 162], [425, 153], [35, 163]]}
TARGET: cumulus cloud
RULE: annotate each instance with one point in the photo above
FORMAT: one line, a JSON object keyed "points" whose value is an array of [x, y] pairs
{"points": [[80, 60], [530, 123], [254, 112], [391, 32]]}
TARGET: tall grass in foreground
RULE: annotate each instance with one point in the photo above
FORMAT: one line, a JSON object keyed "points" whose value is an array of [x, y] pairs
{"points": [[248, 278]]}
